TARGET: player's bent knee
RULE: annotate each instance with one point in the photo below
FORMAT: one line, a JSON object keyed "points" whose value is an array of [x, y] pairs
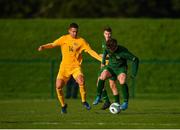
{"points": [[59, 84], [81, 83], [122, 78], [101, 77], [59, 87], [104, 75], [80, 80]]}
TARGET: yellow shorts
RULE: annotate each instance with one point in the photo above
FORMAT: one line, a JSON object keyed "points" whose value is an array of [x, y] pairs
{"points": [[65, 73]]}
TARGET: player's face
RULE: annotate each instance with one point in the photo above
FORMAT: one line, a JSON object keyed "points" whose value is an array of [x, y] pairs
{"points": [[73, 32], [107, 35]]}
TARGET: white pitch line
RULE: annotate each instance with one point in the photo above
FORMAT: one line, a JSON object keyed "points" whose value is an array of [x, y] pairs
{"points": [[101, 123]]}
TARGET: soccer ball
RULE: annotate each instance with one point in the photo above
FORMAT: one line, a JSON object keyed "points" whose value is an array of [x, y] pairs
{"points": [[115, 108]]}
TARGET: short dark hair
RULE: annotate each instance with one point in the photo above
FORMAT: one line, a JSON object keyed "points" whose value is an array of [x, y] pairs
{"points": [[111, 43], [73, 25], [108, 29]]}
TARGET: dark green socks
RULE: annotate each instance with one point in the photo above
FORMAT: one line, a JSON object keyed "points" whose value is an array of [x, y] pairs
{"points": [[100, 87], [105, 96], [125, 92], [116, 98]]}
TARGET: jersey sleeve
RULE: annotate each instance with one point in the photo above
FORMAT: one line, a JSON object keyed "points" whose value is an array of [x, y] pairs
{"points": [[58, 42], [88, 49], [135, 61]]}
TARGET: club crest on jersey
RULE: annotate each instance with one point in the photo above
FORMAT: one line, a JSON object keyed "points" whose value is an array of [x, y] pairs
{"points": [[103, 46]]}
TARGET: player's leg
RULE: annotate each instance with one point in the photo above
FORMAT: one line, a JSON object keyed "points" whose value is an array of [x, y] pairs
{"points": [[97, 98], [104, 96], [107, 102], [122, 80], [79, 77], [61, 80], [101, 81], [80, 81], [59, 89], [114, 89]]}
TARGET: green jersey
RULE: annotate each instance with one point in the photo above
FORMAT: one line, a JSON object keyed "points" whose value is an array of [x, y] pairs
{"points": [[119, 59], [103, 45]]}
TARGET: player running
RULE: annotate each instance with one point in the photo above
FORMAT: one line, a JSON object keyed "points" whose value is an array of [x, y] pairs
{"points": [[117, 68], [72, 47], [112, 81]]}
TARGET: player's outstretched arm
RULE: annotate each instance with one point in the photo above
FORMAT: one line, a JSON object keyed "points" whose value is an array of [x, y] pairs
{"points": [[94, 54], [45, 46]]}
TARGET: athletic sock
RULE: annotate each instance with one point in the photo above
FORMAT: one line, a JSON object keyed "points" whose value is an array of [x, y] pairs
{"points": [[100, 87], [83, 93], [60, 96], [125, 92], [105, 96], [116, 98]]}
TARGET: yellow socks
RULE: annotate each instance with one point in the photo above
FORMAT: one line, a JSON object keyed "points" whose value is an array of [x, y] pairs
{"points": [[83, 93], [60, 96]]}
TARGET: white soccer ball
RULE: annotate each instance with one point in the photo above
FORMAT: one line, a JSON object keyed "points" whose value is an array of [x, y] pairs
{"points": [[115, 108]]}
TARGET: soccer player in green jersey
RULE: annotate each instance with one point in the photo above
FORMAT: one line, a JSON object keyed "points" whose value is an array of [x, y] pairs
{"points": [[107, 36], [117, 68], [112, 81]]}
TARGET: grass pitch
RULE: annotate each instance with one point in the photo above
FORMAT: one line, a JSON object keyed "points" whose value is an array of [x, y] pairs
{"points": [[147, 38], [142, 113]]}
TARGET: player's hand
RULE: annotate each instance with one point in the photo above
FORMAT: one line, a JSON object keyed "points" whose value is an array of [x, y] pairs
{"points": [[102, 65], [40, 48]]}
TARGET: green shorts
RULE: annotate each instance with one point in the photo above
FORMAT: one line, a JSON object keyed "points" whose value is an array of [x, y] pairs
{"points": [[114, 71]]}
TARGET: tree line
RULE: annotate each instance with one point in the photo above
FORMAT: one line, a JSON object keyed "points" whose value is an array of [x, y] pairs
{"points": [[89, 8]]}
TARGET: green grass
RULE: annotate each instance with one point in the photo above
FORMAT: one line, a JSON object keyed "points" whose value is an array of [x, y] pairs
{"points": [[146, 38], [156, 103], [142, 114]]}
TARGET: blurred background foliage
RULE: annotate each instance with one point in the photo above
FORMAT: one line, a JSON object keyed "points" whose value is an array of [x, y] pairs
{"points": [[89, 8]]}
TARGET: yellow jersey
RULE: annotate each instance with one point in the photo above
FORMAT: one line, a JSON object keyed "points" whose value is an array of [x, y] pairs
{"points": [[71, 49]]}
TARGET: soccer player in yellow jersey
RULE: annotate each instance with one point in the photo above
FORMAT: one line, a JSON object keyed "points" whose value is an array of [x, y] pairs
{"points": [[71, 47]]}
